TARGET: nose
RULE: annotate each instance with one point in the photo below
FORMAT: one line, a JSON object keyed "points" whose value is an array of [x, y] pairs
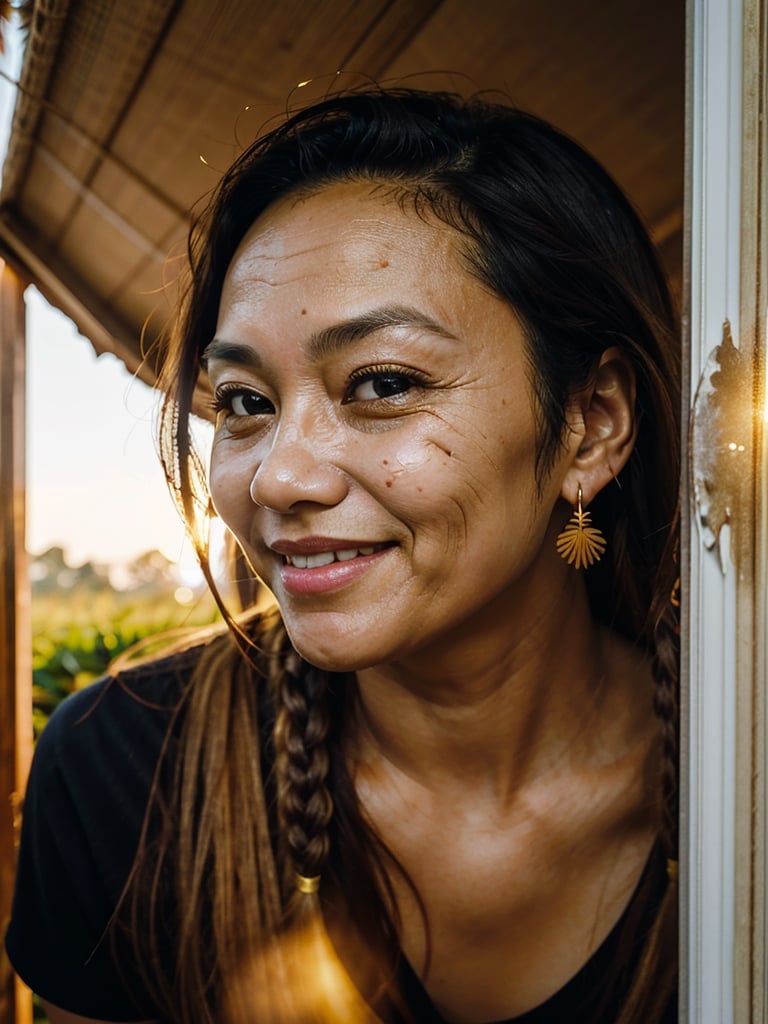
{"points": [[298, 468]]}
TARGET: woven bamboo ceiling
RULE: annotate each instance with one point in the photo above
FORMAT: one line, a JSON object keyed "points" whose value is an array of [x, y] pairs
{"points": [[127, 112]]}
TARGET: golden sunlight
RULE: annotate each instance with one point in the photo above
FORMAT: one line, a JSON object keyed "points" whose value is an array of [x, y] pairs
{"points": [[298, 980]]}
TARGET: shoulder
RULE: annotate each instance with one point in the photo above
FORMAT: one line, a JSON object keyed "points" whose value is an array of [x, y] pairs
{"points": [[123, 720], [97, 757], [87, 801], [127, 709], [112, 732]]}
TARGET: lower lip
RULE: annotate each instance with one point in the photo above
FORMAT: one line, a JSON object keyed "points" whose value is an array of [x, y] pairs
{"points": [[327, 578]]}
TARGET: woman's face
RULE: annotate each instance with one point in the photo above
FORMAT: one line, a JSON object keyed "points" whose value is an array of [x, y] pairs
{"points": [[375, 444]]}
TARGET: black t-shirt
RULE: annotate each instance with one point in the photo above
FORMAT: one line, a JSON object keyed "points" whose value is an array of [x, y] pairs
{"points": [[85, 806]]}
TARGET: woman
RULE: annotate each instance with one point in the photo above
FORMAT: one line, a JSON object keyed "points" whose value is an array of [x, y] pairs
{"points": [[434, 330]]}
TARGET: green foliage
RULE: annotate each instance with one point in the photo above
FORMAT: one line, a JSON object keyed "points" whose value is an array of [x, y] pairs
{"points": [[77, 633]]}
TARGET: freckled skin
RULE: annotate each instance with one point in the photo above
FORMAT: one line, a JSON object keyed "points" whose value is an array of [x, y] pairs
{"points": [[460, 504]]}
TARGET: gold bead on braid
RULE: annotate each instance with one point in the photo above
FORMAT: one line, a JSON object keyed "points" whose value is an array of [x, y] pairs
{"points": [[307, 885]]}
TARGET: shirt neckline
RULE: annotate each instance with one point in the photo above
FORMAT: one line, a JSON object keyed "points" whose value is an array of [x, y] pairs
{"points": [[574, 992]]}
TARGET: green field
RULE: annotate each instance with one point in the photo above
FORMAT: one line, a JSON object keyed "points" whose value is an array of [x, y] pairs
{"points": [[77, 633]]}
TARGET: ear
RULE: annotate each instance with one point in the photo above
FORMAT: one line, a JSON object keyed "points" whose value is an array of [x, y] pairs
{"points": [[603, 427]]}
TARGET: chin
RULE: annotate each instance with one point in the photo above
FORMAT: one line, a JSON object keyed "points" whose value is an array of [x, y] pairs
{"points": [[331, 661], [332, 654]]}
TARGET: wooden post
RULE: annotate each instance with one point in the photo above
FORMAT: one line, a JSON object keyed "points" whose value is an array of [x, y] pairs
{"points": [[15, 629]]}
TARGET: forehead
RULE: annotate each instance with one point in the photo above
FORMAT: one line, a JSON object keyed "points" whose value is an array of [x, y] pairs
{"points": [[352, 230]]}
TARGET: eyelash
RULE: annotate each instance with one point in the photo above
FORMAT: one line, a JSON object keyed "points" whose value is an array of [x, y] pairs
{"points": [[374, 373]]}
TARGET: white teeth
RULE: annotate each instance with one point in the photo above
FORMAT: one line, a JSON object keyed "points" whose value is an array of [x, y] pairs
{"points": [[315, 561], [326, 557]]}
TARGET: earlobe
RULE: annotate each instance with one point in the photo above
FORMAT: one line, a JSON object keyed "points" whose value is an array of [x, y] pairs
{"points": [[609, 427]]}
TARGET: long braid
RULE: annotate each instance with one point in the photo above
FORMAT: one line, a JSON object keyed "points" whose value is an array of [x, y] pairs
{"points": [[666, 706], [315, 985], [665, 619], [305, 806]]}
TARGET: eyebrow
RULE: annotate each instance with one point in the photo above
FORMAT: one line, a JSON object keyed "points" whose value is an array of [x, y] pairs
{"points": [[333, 339], [230, 352], [339, 336]]}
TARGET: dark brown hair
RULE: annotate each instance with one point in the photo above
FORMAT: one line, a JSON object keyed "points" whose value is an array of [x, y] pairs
{"points": [[544, 226]]}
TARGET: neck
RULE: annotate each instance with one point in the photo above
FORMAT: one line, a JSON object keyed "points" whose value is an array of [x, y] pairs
{"points": [[498, 704]]}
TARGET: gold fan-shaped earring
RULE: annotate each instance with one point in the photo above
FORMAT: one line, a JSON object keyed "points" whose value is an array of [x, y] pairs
{"points": [[580, 543]]}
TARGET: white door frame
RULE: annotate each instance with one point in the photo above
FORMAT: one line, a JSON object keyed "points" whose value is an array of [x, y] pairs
{"points": [[724, 657]]}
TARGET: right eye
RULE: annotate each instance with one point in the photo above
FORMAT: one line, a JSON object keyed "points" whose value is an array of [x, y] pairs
{"points": [[239, 401]]}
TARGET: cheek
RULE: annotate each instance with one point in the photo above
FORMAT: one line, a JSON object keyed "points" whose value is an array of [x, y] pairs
{"points": [[456, 488], [229, 479], [429, 479], [405, 468]]}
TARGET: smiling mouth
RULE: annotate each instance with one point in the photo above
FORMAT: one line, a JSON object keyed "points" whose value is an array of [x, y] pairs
{"points": [[322, 558]]}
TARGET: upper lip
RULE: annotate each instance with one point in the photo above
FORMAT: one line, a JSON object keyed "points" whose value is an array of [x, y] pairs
{"points": [[318, 545]]}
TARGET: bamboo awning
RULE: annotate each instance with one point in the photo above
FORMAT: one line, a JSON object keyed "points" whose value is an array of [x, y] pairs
{"points": [[127, 112]]}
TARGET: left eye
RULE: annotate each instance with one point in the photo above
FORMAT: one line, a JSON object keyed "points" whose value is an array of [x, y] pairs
{"points": [[240, 402], [246, 403], [382, 385]]}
